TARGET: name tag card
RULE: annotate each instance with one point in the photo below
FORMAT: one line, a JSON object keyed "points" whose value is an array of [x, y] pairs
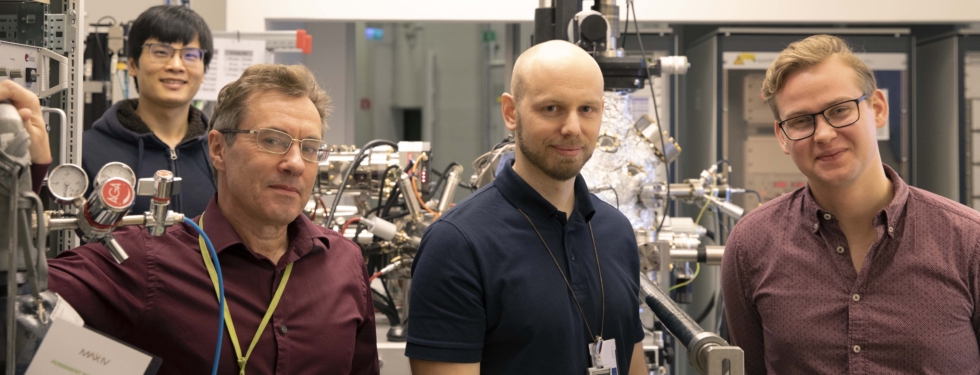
{"points": [[71, 349]]}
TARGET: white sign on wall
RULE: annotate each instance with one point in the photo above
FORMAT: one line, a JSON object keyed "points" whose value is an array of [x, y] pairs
{"points": [[762, 60], [231, 57]]}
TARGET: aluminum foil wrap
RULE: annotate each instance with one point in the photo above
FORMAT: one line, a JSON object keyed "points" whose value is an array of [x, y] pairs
{"points": [[623, 162]]}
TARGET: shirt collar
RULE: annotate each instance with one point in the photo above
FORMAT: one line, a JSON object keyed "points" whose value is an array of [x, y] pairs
{"points": [[524, 197], [890, 214], [304, 236]]}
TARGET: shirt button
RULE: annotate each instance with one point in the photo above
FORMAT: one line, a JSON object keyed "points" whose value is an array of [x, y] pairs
{"points": [[573, 256], [283, 329], [826, 216], [856, 297], [840, 249], [816, 225], [890, 229], [857, 349]]}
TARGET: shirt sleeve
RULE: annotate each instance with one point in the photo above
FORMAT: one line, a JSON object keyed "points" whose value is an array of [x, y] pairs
{"points": [[109, 296], [38, 172], [744, 322], [366, 344], [447, 316], [975, 279]]}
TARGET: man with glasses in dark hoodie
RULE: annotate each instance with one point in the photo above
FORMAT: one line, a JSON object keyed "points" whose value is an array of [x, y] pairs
{"points": [[169, 51]]}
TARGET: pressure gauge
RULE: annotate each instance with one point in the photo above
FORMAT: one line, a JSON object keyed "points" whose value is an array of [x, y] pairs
{"points": [[115, 170], [67, 182]]}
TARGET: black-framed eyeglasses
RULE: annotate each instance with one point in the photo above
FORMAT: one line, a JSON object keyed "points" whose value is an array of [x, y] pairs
{"points": [[277, 142], [839, 115], [160, 52]]}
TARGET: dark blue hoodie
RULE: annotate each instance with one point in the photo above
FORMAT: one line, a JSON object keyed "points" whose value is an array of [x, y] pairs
{"points": [[120, 135]]}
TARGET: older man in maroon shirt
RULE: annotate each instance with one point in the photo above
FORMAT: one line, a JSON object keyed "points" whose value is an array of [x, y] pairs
{"points": [[856, 273], [162, 299]]}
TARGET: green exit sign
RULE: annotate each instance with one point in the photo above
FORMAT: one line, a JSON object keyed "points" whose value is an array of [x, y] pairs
{"points": [[489, 36]]}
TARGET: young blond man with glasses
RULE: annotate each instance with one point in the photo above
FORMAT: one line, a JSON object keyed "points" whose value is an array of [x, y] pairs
{"points": [[169, 50], [857, 272]]}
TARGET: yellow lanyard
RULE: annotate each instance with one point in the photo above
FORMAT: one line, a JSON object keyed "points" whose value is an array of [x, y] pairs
{"points": [[228, 323]]}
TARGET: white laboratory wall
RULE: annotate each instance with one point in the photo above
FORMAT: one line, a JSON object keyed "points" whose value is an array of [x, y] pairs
{"points": [[213, 11], [248, 15], [457, 111], [332, 62]]}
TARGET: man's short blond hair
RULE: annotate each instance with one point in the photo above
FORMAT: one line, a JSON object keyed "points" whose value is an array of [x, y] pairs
{"points": [[808, 52]]}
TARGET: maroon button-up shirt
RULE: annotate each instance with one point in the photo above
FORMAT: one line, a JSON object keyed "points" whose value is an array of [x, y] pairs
{"points": [[796, 305], [162, 301]]}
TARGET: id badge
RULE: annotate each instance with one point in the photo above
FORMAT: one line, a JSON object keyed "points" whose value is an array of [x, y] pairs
{"points": [[603, 354]]}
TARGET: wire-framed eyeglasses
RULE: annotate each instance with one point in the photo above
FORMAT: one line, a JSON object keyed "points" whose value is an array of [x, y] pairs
{"points": [[161, 52], [277, 142], [839, 115]]}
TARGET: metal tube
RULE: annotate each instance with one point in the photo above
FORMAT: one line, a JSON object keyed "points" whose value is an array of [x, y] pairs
{"points": [[675, 320], [709, 255], [544, 3], [405, 183], [452, 180], [728, 208], [12, 280], [115, 249]]}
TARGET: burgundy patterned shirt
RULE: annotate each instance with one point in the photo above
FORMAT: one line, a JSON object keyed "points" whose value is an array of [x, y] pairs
{"points": [[796, 305]]}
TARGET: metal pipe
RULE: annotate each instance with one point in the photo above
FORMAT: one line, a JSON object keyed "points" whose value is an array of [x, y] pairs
{"points": [[452, 181], [544, 3], [610, 11], [709, 255], [675, 320], [12, 279], [71, 223], [405, 184], [708, 353]]}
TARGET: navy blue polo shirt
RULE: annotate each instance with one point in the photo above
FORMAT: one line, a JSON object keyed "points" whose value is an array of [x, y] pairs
{"points": [[484, 288]]}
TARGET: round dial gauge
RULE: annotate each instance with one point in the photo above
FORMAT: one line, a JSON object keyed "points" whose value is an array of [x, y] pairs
{"points": [[115, 169], [67, 182]]}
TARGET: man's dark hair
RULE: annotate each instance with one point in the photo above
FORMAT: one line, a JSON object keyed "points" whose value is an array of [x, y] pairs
{"points": [[169, 24]]}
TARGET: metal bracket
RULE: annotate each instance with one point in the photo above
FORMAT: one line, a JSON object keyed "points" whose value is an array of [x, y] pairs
{"points": [[54, 32], [45, 90]]}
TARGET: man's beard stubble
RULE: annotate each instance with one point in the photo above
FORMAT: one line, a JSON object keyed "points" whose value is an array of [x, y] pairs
{"points": [[565, 169]]}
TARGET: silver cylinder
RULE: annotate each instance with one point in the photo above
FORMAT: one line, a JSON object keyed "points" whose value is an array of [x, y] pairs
{"points": [[544, 3], [405, 183], [115, 249], [610, 11], [105, 207], [163, 185], [713, 255], [452, 180]]}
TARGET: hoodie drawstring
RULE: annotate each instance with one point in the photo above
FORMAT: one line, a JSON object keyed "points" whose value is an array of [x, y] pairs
{"points": [[139, 160]]}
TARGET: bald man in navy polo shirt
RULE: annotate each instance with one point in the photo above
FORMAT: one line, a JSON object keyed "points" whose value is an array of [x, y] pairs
{"points": [[523, 275]]}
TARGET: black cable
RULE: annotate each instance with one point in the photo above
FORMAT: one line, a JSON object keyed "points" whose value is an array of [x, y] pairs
{"points": [[350, 171], [442, 177], [382, 307], [757, 195], [395, 216], [707, 309], [622, 36], [656, 113], [391, 301], [384, 179], [614, 193], [392, 198]]}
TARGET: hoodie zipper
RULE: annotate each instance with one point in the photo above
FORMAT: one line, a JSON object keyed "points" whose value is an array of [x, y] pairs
{"points": [[176, 204]]}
